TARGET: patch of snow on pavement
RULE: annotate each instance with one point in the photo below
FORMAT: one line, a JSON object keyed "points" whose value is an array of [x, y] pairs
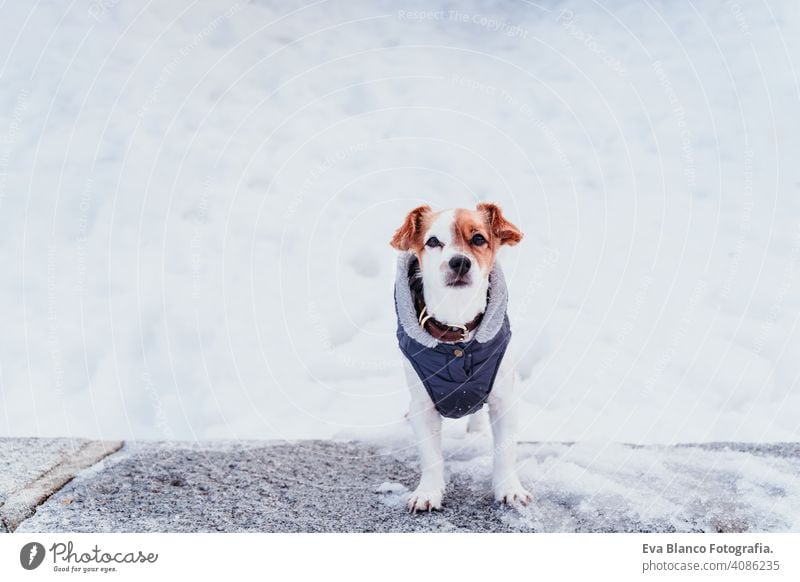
{"points": [[613, 487]]}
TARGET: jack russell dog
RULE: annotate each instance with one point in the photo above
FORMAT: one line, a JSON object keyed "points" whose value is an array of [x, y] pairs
{"points": [[450, 299]]}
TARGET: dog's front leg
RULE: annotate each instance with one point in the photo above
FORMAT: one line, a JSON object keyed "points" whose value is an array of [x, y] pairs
{"points": [[427, 426], [502, 415]]}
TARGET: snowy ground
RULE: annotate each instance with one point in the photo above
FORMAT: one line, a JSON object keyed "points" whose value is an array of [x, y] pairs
{"points": [[196, 201], [334, 486]]}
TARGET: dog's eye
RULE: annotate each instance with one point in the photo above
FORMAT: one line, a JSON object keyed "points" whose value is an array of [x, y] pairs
{"points": [[478, 240], [433, 242]]}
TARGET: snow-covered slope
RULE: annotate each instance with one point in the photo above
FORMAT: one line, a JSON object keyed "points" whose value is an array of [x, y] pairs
{"points": [[196, 202]]}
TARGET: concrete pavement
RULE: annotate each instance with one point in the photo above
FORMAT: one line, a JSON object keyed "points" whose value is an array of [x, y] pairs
{"points": [[330, 486]]}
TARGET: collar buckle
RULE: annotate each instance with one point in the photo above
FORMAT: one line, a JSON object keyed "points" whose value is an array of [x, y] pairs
{"points": [[463, 329]]}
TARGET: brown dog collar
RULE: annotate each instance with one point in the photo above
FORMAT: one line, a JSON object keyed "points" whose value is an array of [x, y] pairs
{"points": [[447, 333]]}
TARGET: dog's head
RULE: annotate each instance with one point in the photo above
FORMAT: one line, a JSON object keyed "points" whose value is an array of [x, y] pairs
{"points": [[456, 249]]}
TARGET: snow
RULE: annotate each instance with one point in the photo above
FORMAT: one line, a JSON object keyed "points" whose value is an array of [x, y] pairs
{"points": [[609, 487], [196, 202], [390, 487], [599, 486]]}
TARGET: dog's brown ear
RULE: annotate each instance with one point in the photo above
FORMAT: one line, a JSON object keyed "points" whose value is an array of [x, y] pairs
{"points": [[507, 233], [404, 237]]}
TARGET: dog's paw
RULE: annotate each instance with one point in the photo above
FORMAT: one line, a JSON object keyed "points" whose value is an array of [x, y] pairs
{"points": [[512, 493], [425, 500]]}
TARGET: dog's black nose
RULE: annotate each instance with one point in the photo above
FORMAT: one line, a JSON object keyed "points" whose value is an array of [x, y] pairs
{"points": [[460, 264]]}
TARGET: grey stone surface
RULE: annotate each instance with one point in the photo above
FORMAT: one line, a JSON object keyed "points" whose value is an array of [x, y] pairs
{"points": [[325, 486], [309, 486], [24, 459], [22, 502]]}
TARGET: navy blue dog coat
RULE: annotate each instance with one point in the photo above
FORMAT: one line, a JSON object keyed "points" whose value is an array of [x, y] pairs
{"points": [[457, 376]]}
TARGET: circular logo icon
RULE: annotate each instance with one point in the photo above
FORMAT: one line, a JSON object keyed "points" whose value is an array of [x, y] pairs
{"points": [[31, 555]]}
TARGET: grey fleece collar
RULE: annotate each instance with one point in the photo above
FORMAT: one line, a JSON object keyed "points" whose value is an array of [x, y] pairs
{"points": [[492, 319]]}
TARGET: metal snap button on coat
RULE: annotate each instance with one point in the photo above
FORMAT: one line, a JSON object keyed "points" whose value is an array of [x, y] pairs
{"points": [[458, 353]]}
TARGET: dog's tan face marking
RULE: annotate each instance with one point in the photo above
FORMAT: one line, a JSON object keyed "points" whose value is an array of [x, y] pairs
{"points": [[486, 221], [480, 233], [473, 237]]}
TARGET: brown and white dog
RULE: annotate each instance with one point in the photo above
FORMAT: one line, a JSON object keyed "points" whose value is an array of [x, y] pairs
{"points": [[456, 252]]}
